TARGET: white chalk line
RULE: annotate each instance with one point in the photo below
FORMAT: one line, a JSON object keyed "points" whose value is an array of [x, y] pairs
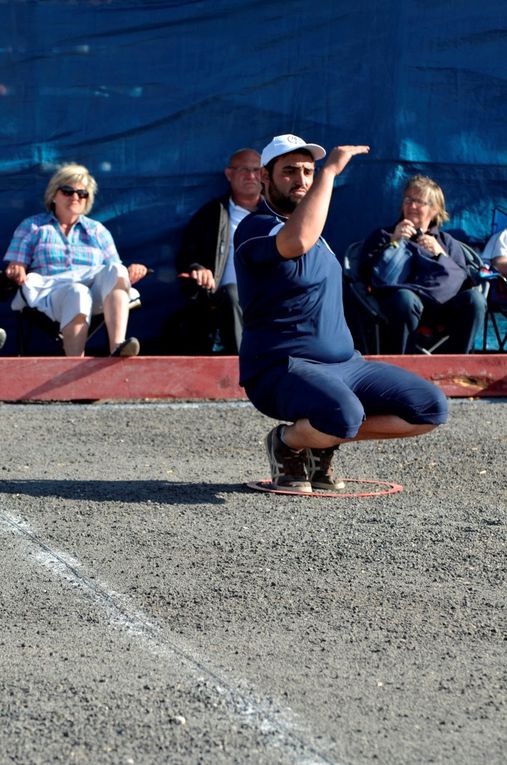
{"points": [[262, 715]]}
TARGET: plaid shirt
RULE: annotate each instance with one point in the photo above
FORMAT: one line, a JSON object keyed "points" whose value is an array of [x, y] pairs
{"points": [[41, 246]]}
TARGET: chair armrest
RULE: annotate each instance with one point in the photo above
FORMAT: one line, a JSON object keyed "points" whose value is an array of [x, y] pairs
{"points": [[367, 300]]}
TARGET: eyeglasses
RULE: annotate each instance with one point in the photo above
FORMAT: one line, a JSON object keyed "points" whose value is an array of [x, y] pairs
{"points": [[68, 191], [245, 170], [418, 202]]}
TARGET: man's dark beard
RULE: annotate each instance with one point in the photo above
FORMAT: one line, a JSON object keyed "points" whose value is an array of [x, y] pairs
{"points": [[281, 202]]}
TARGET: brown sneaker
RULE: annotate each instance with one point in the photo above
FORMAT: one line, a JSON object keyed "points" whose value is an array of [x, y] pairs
{"points": [[319, 469], [288, 470]]}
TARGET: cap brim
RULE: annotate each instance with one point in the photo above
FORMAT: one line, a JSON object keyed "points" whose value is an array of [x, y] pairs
{"points": [[318, 152]]}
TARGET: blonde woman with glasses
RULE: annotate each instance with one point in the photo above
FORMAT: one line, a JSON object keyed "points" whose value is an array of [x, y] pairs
{"points": [[67, 266], [420, 274]]}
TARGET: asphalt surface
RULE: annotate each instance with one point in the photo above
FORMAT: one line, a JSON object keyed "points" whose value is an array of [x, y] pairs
{"points": [[156, 610]]}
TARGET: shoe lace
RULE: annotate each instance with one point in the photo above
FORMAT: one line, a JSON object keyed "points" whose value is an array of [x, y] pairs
{"points": [[294, 464], [290, 463], [319, 461]]}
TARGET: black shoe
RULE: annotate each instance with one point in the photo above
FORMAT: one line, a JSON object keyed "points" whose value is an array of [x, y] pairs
{"points": [[129, 347], [320, 472], [288, 470]]}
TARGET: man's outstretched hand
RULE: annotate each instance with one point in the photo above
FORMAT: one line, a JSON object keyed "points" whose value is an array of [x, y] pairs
{"points": [[340, 156]]}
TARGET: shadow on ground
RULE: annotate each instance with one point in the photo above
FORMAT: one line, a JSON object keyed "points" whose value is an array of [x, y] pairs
{"points": [[172, 493]]}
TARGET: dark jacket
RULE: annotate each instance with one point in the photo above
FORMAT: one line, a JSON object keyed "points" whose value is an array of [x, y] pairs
{"points": [[438, 279], [205, 240]]}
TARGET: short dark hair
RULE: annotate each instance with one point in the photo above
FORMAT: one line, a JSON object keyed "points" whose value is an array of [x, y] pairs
{"points": [[272, 162]]}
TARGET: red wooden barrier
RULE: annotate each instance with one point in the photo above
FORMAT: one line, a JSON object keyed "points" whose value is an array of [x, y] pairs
{"points": [[210, 377]]}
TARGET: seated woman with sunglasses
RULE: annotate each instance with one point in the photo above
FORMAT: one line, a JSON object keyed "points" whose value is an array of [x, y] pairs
{"points": [[67, 265]]}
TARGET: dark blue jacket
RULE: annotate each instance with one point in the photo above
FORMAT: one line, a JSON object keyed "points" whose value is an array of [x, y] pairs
{"points": [[438, 279]]}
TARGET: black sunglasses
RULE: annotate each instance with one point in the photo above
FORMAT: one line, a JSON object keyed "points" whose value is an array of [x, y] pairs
{"points": [[68, 191]]}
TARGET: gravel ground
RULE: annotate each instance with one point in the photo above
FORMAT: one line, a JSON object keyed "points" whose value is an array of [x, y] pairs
{"points": [[156, 610]]}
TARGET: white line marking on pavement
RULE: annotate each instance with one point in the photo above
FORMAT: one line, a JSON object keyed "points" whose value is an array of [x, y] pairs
{"points": [[262, 715]]}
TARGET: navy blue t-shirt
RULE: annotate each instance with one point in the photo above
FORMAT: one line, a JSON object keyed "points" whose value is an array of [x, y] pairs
{"points": [[290, 307]]}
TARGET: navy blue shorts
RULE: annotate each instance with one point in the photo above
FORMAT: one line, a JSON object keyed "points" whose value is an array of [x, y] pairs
{"points": [[336, 398]]}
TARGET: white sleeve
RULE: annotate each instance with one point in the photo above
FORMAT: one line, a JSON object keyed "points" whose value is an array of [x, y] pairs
{"points": [[496, 247]]}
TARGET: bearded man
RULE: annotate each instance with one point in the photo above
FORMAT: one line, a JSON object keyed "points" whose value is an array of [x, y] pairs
{"points": [[297, 359]]}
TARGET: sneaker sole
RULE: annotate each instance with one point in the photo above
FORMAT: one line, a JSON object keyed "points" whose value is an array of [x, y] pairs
{"points": [[131, 349], [329, 486], [301, 488]]}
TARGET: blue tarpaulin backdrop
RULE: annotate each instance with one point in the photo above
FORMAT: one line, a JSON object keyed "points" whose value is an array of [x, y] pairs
{"points": [[153, 96]]}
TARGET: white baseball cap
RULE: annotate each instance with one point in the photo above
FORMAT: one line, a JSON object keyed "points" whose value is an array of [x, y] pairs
{"points": [[284, 144]]}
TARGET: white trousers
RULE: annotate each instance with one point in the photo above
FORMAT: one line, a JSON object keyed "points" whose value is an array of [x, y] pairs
{"points": [[63, 296]]}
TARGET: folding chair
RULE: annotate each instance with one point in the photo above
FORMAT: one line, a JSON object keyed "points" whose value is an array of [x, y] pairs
{"points": [[498, 220], [496, 313], [31, 324], [429, 339], [195, 326], [495, 322], [362, 310]]}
